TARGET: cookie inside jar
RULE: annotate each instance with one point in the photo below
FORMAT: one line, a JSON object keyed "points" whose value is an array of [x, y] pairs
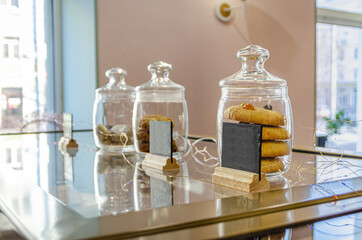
{"points": [[275, 139]]}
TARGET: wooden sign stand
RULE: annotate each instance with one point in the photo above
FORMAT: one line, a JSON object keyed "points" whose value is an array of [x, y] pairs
{"points": [[241, 180], [160, 156], [160, 163], [241, 155]]}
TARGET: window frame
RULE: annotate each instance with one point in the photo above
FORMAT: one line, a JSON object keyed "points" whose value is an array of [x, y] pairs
{"points": [[57, 56], [336, 17]]}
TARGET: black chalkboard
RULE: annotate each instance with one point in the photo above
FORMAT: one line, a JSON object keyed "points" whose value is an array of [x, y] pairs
{"points": [[241, 146], [161, 138]]}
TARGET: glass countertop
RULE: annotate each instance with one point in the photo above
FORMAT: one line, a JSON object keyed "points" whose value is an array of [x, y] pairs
{"points": [[95, 184]]}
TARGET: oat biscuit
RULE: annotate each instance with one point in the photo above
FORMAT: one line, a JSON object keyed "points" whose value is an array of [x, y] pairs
{"points": [[275, 133], [274, 149], [144, 123], [144, 146], [247, 113], [143, 135], [270, 165]]}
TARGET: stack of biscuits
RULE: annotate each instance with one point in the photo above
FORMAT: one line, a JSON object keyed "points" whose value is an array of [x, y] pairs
{"points": [[274, 137], [143, 133]]}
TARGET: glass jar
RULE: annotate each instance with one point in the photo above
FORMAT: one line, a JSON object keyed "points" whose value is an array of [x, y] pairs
{"points": [[160, 99], [112, 113], [253, 95]]}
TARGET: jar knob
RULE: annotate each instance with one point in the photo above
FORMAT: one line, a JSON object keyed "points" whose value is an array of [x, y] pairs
{"points": [[253, 58], [160, 68], [116, 74]]}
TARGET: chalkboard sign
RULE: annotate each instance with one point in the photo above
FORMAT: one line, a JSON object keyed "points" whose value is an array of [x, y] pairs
{"points": [[241, 146], [161, 138]]}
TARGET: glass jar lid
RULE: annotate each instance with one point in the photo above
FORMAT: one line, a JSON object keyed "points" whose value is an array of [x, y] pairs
{"points": [[252, 73], [116, 88], [160, 87]]}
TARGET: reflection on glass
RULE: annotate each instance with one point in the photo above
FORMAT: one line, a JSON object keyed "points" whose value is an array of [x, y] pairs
{"points": [[153, 188], [346, 227], [141, 189], [113, 181], [279, 182]]}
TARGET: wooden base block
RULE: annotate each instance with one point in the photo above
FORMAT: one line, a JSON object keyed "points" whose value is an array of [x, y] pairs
{"points": [[68, 146], [160, 162], [241, 180], [169, 176]]}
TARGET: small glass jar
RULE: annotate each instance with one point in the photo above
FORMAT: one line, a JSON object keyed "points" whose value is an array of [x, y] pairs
{"points": [[112, 113], [160, 99], [260, 95]]}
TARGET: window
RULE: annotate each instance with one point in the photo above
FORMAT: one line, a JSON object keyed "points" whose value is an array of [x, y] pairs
{"points": [[16, 51], [12, 107], [5, 50], [15, 3], [11, 47], [339, 86], [26, 63]]}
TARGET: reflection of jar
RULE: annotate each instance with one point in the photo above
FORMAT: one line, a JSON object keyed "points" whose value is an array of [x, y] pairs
{"points": [[255, 96], [112, 113], [141, 189], [113, 181], [160, 99], [156, 189]]}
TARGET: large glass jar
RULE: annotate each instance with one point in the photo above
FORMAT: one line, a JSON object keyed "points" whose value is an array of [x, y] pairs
{"points": [[160, 99], [252, 95], [112, 113]]}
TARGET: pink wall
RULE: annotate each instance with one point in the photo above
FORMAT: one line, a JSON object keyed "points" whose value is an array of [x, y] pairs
{"points": [[202, 50]]}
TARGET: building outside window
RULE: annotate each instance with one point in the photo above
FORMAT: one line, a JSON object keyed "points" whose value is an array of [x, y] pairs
{"points": [[13, 3], [338, 43], [26, 65]]}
